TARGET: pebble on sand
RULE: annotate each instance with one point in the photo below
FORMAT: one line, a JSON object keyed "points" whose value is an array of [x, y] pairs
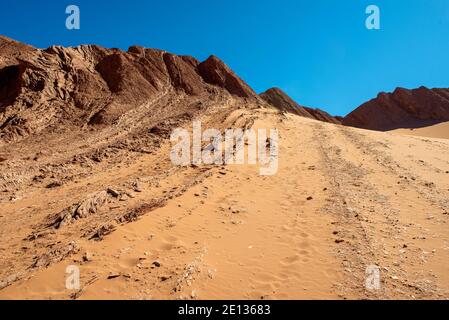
{"points": [[156, 263]]}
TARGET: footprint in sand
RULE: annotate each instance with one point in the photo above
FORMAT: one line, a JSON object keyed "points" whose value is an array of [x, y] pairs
{"points": [[287, 261]]}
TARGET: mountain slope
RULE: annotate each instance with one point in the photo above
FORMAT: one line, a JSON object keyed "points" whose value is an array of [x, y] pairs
{"points": [[68, 115], [86, 180], [280, 100], [402, 109], [90, 85], [342, 201]]}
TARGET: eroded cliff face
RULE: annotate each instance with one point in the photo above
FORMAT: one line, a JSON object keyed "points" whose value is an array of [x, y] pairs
{"points": [[401, 109], [90, 85], [280, 100]]}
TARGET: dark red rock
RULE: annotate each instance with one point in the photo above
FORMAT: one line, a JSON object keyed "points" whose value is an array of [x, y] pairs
{"points": [[402, 109], [183, 74], [280, 100], [93, 86], [215, 72]]}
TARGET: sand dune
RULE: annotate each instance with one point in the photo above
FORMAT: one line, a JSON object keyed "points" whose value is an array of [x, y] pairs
{"points": [[343, 199], [440, 130]]}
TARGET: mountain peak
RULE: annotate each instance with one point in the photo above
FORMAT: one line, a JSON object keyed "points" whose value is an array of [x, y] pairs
{"points": [[214, 71], [402, 108], [280, 100], [92, 85]]}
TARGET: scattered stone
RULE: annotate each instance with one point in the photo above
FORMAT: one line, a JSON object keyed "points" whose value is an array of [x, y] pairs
{"points": [[156, 263], [113, 192], [339, 241], [164, 278], [57, 254], [87, 256], [14, 198], [130, 195], [102, 231], [9, 280], [235, 209], [309, 198], [137, 186], [54, 184], [89, 206], [124, 197], [113, 275]]}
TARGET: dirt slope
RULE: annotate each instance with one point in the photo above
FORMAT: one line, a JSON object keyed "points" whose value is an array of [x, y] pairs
{"points": [[86, 180], [376, 199]]}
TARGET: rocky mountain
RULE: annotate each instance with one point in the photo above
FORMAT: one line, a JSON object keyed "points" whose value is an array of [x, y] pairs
{"points": [[91, 86], [402, 108], [87, 183], [86, 131], [280, 100]]}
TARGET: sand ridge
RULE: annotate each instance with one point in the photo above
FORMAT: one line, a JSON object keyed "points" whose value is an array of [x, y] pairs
{"points": [[440, 130]]}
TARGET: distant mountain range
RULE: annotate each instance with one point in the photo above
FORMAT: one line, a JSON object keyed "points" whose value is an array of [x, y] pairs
{"points": [[91, 85], [279, 99], [402, 109]]}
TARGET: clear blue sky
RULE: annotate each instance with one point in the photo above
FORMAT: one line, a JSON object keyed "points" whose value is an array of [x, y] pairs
{"points": [[318, 51]]}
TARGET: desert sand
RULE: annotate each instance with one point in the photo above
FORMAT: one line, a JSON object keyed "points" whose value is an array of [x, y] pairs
{"points": [[440, 130], [86, 183], [343, 199]]}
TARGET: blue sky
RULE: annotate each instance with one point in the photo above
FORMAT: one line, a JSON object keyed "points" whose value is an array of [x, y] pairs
{"points": [[318, 51]]}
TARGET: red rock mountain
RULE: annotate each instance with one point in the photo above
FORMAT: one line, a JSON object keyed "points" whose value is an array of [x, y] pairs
{"points": [[402, 109], [280, 100], [86, 126], [92, 86]]}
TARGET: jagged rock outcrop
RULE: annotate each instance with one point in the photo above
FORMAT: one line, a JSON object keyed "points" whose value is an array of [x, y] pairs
{"points": [[215, 72], [401, 109], [90, 85], [280, 100]]}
